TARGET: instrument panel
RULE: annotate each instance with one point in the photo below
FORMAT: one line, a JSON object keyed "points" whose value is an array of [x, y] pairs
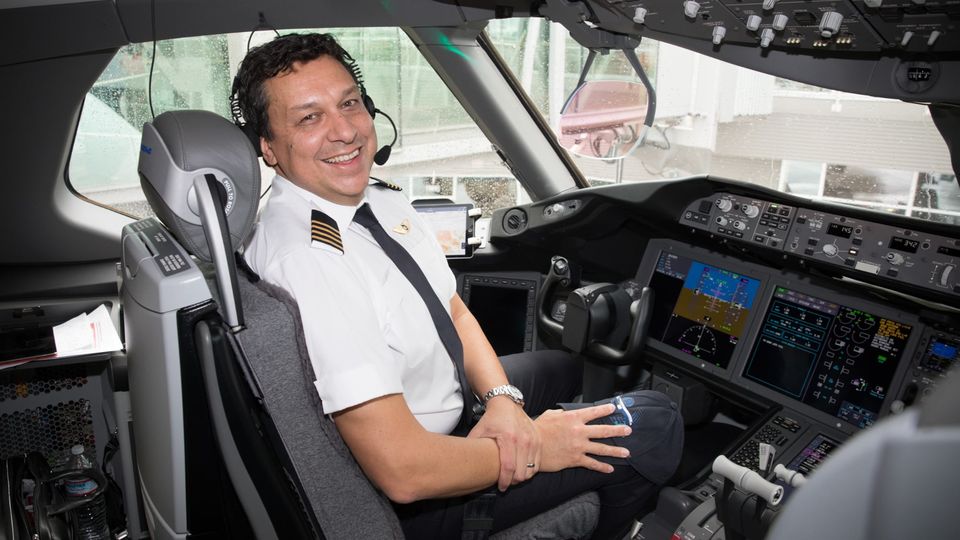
{"points": [[918, 258], [751, 313], [838, 358]]}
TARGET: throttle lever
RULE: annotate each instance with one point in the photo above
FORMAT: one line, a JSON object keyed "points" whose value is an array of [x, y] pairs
{"points": [[748, 480]]}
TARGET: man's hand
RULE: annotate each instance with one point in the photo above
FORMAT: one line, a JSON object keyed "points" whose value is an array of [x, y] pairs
{"points": [[517, 439], [567, 439]]}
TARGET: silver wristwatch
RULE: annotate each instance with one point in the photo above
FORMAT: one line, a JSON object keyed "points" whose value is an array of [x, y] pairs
{"points": [[508, 390]]}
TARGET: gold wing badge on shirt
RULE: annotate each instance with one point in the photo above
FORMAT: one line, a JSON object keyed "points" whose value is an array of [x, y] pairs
{"points": [[403, 227], [324, 233]]}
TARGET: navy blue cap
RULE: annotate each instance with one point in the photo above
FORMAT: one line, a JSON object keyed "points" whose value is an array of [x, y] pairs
{"points": [[656, 442]]}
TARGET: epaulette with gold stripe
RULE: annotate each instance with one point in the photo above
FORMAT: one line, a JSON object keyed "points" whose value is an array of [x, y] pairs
{"points": [[384, 184], [324, 232]]}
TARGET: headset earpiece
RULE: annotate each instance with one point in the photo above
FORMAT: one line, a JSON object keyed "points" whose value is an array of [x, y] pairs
{"points": [[246, 128], [368, 104]]}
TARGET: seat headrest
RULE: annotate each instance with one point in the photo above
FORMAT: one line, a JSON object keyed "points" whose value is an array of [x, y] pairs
{"points": [[179, 146]]}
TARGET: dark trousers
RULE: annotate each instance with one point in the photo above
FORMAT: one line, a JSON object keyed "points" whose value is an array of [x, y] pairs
{"points": [[545, 378]]}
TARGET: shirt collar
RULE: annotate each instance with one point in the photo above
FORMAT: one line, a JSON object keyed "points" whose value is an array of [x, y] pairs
{"points": [[342, 214]]}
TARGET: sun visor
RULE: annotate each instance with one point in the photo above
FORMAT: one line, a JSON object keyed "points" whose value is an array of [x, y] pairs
{"points": [[179, 146]]}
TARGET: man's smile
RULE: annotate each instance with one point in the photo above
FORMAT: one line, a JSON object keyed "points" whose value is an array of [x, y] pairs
{"points": [[342, 158]]}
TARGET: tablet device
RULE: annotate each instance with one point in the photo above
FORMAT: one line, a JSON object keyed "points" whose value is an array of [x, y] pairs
{"points": [[451, 224]]}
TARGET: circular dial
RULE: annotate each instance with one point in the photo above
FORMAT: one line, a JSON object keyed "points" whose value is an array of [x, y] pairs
{"points": [[700, 339], [830, 23]]}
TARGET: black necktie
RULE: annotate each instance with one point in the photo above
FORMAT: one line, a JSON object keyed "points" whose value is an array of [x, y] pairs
{"points": [[441, 320]]}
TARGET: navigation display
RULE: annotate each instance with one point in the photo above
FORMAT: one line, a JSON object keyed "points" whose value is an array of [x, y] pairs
{"points": [[838, 359], [700, 309]]}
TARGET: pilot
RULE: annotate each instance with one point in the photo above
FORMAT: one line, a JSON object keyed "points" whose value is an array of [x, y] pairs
{"points": [[398, 357]]}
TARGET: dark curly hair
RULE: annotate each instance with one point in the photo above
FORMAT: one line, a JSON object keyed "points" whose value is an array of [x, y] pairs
{"points": [[248, 99]]}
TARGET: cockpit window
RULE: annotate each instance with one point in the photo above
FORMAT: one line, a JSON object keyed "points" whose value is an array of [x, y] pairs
{"points": [[719, 119], [440, 152]]}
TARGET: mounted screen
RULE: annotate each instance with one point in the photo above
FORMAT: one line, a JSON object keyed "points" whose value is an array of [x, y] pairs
{"points": [[941, 354], [504, 306], [700, 309], [451, 224], [502, 313], [813, 455], [835, 358]]}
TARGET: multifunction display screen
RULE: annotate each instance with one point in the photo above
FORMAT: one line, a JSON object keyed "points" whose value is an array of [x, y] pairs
{"points": [[836, 358], [502, 313], [813, 455], [700, 309], [942, 353]]}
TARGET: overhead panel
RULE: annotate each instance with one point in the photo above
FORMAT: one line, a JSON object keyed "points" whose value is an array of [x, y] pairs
{"points": [[864, 26]]}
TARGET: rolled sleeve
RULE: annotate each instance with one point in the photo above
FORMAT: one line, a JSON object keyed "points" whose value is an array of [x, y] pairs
{"points": [[351, 359]]}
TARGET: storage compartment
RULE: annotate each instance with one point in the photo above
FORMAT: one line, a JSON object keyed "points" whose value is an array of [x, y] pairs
{"points": [[48, 405]]}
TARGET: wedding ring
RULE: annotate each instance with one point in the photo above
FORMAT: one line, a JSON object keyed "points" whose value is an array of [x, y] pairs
{"points": [[531, 465]]}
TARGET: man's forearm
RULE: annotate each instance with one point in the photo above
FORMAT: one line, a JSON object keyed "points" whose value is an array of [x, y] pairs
{"points": [[409, 463]]}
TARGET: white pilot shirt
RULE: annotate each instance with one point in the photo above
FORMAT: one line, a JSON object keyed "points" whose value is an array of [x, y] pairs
{"points": [[367, 330]]}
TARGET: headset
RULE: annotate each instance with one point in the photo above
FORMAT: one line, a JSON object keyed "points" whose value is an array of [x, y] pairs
{"points": [[382, 155]]}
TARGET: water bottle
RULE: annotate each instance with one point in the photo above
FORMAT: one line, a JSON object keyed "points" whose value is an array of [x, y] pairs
{"points": [[92, 517]]}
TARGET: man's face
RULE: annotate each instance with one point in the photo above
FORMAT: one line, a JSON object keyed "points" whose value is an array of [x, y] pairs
{"points": [[323, 137]]}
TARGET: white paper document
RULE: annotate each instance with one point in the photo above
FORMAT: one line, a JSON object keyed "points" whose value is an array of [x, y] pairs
{"points": [[87, 334]]}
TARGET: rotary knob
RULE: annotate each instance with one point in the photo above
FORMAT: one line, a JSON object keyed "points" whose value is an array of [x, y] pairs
{"points": [[739, 225], [691, 8], [722, 221], [894, 258], [779, 22], [769, 4], [718, 34], [830, 24], [725, 205], [640, 15], [766, 37], [753, 22], [751, 210], [830, 250]]}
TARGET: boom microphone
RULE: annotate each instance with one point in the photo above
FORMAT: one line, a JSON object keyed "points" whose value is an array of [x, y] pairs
{"points": [[383, 154]]}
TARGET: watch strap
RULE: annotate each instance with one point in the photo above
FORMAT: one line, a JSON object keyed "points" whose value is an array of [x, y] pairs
{"points": [[507, 390]]}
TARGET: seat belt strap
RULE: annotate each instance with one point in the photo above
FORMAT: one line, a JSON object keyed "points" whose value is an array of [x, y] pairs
{"points": [[478, 515]]}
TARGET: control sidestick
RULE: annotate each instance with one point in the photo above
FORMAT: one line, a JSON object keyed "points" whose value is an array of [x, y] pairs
{"points": [[748, 480]]}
